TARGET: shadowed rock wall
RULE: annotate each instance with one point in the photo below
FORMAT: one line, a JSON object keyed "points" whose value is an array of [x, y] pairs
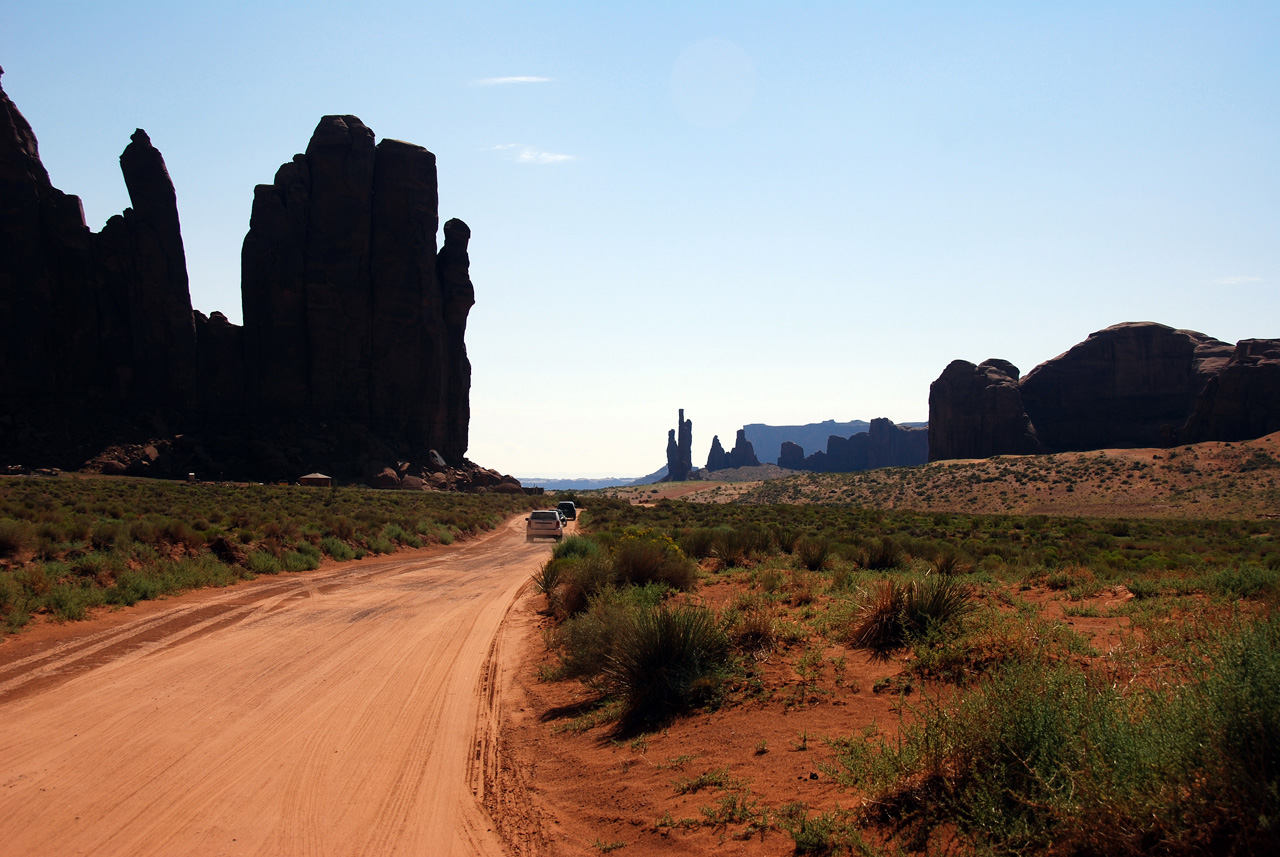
{"points": [[352, 354], [1135, 384]]}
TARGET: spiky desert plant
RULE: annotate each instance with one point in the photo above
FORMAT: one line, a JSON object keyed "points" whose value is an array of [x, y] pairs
{"points": [[666, 661], [813, 553], [950, 562]]}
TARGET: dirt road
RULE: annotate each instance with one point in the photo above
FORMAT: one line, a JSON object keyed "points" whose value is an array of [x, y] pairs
{"points": [[346, 711]]}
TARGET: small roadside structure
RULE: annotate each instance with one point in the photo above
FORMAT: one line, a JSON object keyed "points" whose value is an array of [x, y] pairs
{"points": [[318, 480]]}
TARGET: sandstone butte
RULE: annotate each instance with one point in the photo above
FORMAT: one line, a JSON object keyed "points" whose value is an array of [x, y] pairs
{"points": [[351, 359]]}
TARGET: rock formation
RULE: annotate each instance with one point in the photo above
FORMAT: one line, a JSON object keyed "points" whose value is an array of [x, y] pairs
{"points": [[1242, 401], [742, 455], [884, 444], [717, 458], [680, 450], [350, 314], [1136, 384], [351, 358], [977, 411], [791, 456]]}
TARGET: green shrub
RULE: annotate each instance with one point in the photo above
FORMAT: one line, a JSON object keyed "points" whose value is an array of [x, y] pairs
{"points": [[587, 641], [648, 557], [337, 548], [812, 553], [894, 612], [15, 537], [262, 562], [575, 547], [881, 554], [667, 660], [1044, 756], [380, 545]]}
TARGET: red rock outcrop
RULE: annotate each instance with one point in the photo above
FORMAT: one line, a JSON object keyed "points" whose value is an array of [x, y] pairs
{"points": [[977, 412], [742, 454], [1131, 385], [352, 353], [1242, 401], [680, 450]]}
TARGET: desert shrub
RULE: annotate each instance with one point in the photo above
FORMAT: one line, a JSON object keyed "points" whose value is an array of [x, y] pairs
{"points": [[395, 533], [263, 562], [181, 533], [812, 553], [336, 548], [547, 577], [698, 542], [379, 545], [575, 547], [649, 557], [300, 560], [577, 580], [1244, 581], [665, 661], [881, 554], [1044, 755], [786, 538], [107, 534], [586, 642], [15, 537], [893, 612], [71, 602], [751, 627], [949, 562]]}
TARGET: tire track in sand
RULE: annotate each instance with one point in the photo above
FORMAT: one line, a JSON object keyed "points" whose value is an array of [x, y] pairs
{"points": [[332, 713]]}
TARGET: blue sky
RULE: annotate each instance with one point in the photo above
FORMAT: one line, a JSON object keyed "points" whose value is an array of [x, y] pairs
{"points": [[759, 212]]}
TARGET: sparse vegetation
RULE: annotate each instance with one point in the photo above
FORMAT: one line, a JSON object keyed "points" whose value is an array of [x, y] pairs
{"points": [[68, 545]]}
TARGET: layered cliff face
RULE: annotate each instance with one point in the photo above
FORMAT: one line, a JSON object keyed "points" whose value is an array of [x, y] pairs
{"points": [[352, 354], [1136, 384]]}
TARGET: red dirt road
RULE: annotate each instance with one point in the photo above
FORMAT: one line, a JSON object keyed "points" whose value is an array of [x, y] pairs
{"points": [[347, 711]]}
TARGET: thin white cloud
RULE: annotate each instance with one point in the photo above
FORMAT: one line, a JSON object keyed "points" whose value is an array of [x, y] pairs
{"points": [[499, 81], [529, 155], [1236, 281]]}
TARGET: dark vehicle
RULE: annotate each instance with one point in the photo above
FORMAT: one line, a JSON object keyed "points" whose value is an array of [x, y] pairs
{"points": [[544, 523], [569, 509]]}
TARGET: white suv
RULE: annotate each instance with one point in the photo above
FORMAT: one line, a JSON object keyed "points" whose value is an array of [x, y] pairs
{"points": [[545, 523]]}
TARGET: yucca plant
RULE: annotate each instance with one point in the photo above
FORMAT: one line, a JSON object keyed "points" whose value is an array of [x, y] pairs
{"points": [[881, 555], [894, 612], [667, 660], [813, 553]]}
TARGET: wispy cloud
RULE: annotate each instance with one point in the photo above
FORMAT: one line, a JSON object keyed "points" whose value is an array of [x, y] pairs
{"points": [[499, 81], [529, 155], [1236, 281]]}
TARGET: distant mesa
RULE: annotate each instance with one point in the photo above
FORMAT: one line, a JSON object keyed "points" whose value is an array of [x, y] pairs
{"points": [[883, 444], [351, 359], [1136, 384]]}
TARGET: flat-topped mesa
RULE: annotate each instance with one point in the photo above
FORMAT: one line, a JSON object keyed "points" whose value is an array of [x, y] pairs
{"points": [[350, 313]]}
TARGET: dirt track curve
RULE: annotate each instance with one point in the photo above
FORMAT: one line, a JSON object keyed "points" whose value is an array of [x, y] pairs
{"points": [[347, 711]]}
